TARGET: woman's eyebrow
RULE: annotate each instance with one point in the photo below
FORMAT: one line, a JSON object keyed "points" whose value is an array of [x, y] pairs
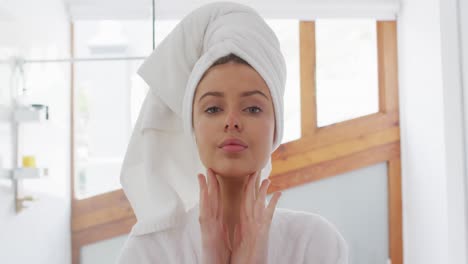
{"points": [[252, 93], [243, 94]]}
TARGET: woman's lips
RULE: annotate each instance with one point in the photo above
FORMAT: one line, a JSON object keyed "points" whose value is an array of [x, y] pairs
{"points": [[233, 148], [233, 145]]}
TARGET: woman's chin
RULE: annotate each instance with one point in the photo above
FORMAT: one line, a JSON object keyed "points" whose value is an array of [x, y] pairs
{"points": [[233, 171]]}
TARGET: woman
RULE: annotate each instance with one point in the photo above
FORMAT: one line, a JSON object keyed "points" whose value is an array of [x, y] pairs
{"points": [[215, 107]]}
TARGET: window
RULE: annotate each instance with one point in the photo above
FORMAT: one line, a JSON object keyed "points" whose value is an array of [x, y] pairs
{"points": [[347, 72], [108, 95], [287, 31]]}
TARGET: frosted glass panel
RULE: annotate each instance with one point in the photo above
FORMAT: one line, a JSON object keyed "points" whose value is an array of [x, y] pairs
{"points": [[108, 98], [347, 69], [356, 203], [287, 31], [103, 252], [106, 108]]}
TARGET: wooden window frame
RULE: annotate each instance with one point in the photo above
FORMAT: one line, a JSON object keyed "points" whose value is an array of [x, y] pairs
{"points": [[321, 152]]}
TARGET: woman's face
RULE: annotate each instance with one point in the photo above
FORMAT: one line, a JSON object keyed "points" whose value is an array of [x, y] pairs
{"points": [[233, 101]]}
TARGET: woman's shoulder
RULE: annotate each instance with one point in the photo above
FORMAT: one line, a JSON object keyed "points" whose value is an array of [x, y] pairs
{"points": [[296, 219], [170, 245], [319, 237]]}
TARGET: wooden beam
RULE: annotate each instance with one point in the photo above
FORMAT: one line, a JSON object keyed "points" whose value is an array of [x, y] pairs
{"points": [[335, 151], [395, 211], [388, 66], [338, 132], [307, 78], [102, 215], [100, 201], [102, 232], [331, 168]]}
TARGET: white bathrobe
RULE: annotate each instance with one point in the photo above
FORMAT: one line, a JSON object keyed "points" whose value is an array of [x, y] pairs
{"points": [[295, 237]]}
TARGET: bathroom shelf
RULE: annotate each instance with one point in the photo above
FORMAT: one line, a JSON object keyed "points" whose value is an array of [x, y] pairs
{"points": [[24, 173], [29, 173], [30, 114], [16, 114], [21, 114]]}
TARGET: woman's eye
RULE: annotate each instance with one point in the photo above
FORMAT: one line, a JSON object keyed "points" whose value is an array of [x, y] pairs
{"points": [[215, 109], [254, 109], [212, 109]]}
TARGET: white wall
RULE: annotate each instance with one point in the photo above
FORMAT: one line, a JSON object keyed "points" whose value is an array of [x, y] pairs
{"points": [[463, 15], [41, 233], [463, 43], [455, 131], [434, 221]]}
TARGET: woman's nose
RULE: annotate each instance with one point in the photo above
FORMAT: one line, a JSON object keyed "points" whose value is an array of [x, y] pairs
{"points": [[232, 122]]}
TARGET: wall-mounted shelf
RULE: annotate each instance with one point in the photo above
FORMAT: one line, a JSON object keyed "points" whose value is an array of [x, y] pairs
{"points": [[16, 115], [24, 114], [23, 173], [29, 173], [30, 114]]}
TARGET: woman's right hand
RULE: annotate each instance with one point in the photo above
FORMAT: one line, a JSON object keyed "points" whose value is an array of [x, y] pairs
{"points": [[216, 246]]}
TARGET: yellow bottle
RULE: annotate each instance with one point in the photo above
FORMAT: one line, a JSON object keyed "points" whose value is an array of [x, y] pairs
{"points": [[29, 162]]}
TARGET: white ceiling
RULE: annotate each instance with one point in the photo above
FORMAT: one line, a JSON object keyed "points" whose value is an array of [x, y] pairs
{"points": [[142, 9], [176, 9], [108, 9], [32, 10]]}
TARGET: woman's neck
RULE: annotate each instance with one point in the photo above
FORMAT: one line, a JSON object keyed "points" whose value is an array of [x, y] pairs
{"points": [[231, 197]]}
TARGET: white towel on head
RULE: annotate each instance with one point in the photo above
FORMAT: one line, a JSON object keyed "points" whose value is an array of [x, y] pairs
{"points": [[159, 172]]}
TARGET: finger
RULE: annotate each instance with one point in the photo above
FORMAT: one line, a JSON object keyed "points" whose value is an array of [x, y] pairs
{"points": [[272, 205], [254, 189], [254, 186], [243, 206], [218, 198], [213, 199], [226, 237], [237, 236], [249, 198], [202, 183], [208, 176], [260, 202]]}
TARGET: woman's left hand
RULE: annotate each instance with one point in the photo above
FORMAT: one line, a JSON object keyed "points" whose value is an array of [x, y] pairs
{"points": [[250, 244]]}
